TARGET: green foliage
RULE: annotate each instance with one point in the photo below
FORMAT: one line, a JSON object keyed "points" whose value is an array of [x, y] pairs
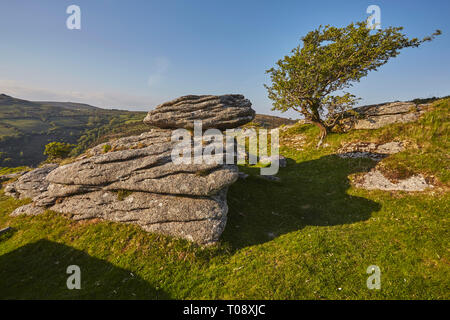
{"points": [[7, 170], [124, 125], [58, 150], [123, 194], [106, 148], [330, 60]]}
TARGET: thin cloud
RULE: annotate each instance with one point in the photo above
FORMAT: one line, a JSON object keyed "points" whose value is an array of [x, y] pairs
{"points": [[161, 66]]}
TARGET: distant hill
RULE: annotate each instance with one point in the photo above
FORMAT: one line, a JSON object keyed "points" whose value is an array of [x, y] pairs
{"points": [[27, 126], [68, 105], [270, 122]]}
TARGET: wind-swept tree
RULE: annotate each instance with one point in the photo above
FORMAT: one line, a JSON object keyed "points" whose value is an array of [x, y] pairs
{"points": [[311, 80]]}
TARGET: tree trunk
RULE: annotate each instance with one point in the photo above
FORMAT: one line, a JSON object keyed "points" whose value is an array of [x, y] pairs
{"points": [[323, 131]]}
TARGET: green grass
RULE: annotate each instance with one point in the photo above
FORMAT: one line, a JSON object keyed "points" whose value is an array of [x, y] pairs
{"points": [[6, 170], [27, 125], [310, 236], [7, 131], [428, 142]]}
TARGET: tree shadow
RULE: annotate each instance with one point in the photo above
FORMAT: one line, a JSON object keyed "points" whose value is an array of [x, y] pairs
{"points": [[310, 193], [38, 271]]}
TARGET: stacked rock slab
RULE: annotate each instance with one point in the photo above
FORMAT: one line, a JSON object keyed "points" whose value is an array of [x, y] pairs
{"points": [[133, 179], [218, 112]]}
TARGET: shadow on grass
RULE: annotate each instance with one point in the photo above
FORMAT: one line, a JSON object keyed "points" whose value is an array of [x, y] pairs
{"points": [[311, 193], [38, 271], [6, 234]]}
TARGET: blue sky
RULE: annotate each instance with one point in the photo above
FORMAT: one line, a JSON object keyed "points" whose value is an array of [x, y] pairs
{"points": [[136, 54]]}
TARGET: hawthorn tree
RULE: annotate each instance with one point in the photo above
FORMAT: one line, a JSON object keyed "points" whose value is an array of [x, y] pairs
{"points": [[311, 80], [58, 150]]}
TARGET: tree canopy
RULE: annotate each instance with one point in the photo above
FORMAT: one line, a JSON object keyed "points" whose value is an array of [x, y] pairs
{"points": [[313, 78], [58, 150]]}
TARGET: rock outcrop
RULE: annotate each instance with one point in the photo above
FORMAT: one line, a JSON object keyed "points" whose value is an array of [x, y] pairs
{"points": [[9, 176], [219, 112], [377, 116], [199, 219], [134, 180], [30, 184], [374, 151], [375, 180]]}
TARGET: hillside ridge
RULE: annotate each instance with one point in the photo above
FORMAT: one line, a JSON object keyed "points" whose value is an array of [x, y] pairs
{"points": [[27, 126]]}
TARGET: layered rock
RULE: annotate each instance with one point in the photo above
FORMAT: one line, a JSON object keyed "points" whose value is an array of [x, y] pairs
{"points": [[219, 112], [134, 180], [148, 169], [377, 116], [374, 151], [30, 184], [375, 180]]}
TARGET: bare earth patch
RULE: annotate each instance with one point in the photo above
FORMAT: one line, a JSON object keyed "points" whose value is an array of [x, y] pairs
{"points": [[375, 180]]}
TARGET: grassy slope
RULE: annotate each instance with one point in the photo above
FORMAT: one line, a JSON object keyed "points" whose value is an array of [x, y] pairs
{"points": [[311, 236], [27, 126]]}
